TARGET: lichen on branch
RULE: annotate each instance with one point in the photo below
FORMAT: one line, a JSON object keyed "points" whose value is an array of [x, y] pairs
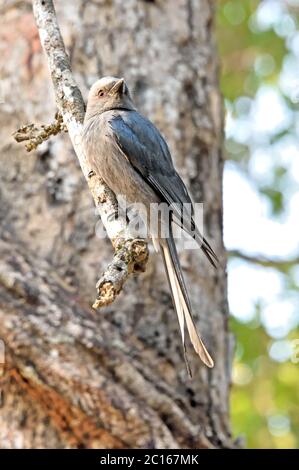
{"points": [[36, 135]]}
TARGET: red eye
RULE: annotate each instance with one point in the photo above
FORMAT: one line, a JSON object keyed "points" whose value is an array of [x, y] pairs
{"points": [[101, 93]]}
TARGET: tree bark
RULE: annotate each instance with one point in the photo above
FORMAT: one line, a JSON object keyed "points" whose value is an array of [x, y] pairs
{"points": [[114, 378]]}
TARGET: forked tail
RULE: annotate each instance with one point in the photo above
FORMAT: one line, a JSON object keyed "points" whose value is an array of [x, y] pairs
{"points": [[181, 300]]}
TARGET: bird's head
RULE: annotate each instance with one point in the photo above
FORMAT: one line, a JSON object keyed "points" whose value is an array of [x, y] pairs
{"points": [[106, 94]]}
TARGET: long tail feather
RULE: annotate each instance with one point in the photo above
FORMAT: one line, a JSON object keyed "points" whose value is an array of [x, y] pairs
{"points": [[176, 301], [202, 242], [181, 300]]}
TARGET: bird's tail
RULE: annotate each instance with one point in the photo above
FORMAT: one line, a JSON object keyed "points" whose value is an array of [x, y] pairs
{"points": [[181, 300]]}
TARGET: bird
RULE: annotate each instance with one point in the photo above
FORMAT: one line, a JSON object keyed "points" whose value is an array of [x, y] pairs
{"points": [[129, 153]]}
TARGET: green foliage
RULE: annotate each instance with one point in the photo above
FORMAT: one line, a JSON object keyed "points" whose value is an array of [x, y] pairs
{"points": [[265, 392], [265, 397], [248, 57], [276, 198]]}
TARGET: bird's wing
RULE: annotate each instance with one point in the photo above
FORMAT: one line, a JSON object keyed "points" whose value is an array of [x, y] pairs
{"points": [[142, 144]]}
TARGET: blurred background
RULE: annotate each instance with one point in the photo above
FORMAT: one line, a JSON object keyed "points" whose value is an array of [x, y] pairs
{"points": [[258, 43]]}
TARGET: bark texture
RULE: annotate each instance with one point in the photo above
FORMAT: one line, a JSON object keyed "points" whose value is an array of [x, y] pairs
{"points": [[114, 378]]}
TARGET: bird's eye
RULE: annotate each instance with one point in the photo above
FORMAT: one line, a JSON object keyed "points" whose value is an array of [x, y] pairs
{"points": [[101, 93]]}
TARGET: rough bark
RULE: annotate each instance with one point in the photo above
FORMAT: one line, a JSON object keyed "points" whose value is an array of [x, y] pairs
{"points": [[116, 378]]}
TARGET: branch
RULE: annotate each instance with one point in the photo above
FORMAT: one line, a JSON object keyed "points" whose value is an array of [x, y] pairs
{"points": [[130, 254], [281, 265], [37, 135]]}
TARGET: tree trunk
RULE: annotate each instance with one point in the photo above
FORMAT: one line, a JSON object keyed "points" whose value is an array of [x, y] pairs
{"points": [[115, 378]]}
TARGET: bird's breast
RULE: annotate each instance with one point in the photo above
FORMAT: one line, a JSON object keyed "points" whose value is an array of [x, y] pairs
{"points": [[112, 165]]}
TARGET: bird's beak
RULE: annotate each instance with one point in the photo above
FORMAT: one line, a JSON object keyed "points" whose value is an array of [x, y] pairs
{"points": [[118, 87]]}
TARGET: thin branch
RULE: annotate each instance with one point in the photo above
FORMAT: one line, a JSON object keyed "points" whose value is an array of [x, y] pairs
{"points": [[37, 135], [281, 265], [130, 254], [111, 283]]}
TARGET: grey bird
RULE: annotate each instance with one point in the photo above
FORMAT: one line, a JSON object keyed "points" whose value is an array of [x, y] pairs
{"points": [[131, 156]]}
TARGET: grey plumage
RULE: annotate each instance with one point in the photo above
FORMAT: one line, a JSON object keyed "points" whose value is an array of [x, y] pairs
{"points": [[132, 157]]}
